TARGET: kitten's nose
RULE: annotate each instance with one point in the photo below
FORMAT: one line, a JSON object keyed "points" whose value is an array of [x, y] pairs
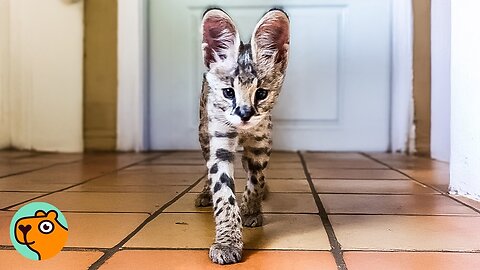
{"points": [[245, 112]]}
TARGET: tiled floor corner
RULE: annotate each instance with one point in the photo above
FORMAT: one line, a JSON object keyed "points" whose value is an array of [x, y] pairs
{"points": [[136, 211]]}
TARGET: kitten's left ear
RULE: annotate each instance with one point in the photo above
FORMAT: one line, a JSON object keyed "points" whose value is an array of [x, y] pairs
{"points": [[220, 39], [271, 40]]}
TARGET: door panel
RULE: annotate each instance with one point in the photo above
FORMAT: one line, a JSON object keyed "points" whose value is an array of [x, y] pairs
{"points": [[337, 89]]}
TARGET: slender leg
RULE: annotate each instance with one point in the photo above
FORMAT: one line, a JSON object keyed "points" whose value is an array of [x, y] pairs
{"points": [[257, 149], [204, 199], [228, 244]]}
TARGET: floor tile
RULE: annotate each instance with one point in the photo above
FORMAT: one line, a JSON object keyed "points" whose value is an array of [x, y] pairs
{"points": [[176, 231], [274, 202], [437, 178], [344, 164], [6, 155], [5, 219], [393, 204], [167, 169], [31, 186], [198, 259], [274, 173], [411, 260], [472, 203], [96, 187], [146, 179], [9, 198], [309, 156], [405, 162], [188, 230], [449, 233], [285, 165], [85, 229], [59, 174], [100, 230], [355, 174], [108, 201], [284, 173], [284, 157], [371, 186], [282, 185], [10, 168], [12, 260]]}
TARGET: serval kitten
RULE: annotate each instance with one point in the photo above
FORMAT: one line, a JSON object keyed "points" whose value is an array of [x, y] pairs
{"points": [[240, 88]]}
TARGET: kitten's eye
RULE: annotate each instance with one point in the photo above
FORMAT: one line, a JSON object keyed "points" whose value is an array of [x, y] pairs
{"points": [[261, 94], [228, 93]]}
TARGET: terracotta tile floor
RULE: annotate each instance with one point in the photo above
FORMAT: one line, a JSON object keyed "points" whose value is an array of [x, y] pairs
{"points": [[323, 211]]}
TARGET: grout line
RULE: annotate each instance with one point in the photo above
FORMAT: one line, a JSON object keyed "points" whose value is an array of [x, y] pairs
{"points": [[80, 183], [378, 193], [414, 251], [404, 215], [6, 247], [315, 250], [446, 194], [248, 249], [85, 249], [351, 169], [104, 212], [334, 244], [360, 179], [96, 249], [267, 213], [110, 252]]}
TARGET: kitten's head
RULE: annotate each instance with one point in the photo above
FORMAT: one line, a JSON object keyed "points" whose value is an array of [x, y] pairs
{"points": [[245, 79]]}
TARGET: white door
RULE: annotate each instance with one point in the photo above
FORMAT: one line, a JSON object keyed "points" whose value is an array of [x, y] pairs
{"points": [[337, 91]]}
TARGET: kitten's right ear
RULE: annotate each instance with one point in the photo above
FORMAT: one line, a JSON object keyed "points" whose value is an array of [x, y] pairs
{"points": [[220, 39]]}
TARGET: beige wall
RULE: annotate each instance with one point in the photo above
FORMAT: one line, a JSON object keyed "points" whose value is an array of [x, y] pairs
{"points": [[100, 94], [41, 84], [4, 74], [421, 75]]}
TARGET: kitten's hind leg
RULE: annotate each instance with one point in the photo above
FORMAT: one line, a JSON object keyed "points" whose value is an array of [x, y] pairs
{"points": [[204, 199]]}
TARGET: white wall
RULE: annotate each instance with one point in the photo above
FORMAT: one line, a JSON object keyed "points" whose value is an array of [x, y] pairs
{"points": [[45, 75], [440, 129], [465, 121], [132, 76], [402, 76]]}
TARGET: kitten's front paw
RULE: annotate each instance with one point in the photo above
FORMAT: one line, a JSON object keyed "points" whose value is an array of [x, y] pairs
{"points": [[252, 220], [224, 254], [203, 200]]}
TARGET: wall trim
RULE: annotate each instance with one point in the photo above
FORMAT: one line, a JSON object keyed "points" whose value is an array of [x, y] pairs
{"points": [[132, 75]]}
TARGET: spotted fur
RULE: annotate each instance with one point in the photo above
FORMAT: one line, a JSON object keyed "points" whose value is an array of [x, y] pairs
{"points": [[235, 109]]}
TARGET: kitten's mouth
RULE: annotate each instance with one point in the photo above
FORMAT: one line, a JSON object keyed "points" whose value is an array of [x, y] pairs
{"points": [[246, 125]]}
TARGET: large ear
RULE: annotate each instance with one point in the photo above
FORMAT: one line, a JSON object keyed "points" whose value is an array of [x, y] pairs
{"points": [[220, 38], [271, 40]]}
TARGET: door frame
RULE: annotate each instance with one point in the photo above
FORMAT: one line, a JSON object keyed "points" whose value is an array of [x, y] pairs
{"points": [[132, 127]]}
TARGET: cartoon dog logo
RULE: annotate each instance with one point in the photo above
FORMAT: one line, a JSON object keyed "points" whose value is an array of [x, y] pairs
{"points": [[42, 233]]}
